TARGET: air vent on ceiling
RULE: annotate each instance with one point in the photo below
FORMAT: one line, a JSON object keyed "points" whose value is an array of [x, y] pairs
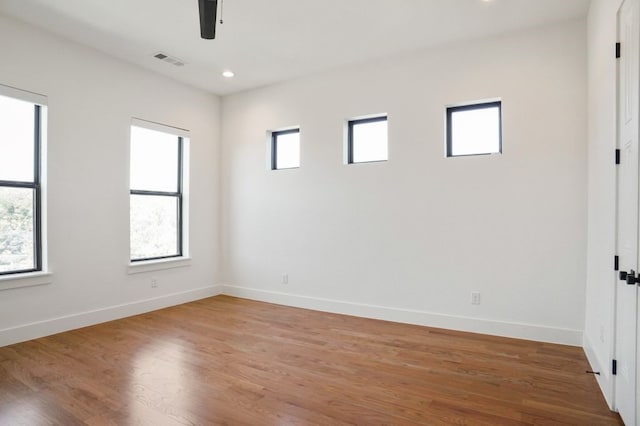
{"points": [[170, 59]]}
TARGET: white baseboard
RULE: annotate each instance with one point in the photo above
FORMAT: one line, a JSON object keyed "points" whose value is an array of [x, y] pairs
{"points": [[34, 330], [9, 336], [474, 325], [605, 381]]}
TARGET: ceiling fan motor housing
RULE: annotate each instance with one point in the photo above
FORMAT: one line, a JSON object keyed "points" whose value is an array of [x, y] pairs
{"points": [[208, 10]]}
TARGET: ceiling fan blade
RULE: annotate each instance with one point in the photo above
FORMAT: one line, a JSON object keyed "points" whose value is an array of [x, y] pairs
{"points": [[208, 10]]}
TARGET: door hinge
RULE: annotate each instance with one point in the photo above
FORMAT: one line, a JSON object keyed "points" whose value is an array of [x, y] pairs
{"points": [[614, 367], [616, 263], [617, 50], [617, 156]]}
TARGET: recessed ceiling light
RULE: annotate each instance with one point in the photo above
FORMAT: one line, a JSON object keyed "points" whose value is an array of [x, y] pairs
{"points": [[228, 74]]}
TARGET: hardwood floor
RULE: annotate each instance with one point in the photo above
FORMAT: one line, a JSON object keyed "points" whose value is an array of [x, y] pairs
{"points": [[231, 361]]}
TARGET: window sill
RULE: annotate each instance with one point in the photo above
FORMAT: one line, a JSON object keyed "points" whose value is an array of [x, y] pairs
{"points": [[28, 279], [158, 265]]}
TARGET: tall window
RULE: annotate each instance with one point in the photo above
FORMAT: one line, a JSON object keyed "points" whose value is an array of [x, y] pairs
{"points": [[474, 129], [21, 124], [156, 192], [367, 140], [285, 149]]}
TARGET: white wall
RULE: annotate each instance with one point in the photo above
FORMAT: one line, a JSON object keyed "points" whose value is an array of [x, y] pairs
{"points": [[599, 331], [409, 239], [92, 99]]}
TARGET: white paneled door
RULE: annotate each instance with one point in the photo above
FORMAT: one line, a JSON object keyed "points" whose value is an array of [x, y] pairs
{"points": [[626, 353]]}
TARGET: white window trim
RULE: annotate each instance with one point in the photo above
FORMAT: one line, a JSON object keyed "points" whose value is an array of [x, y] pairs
{"points": [[164, 128], [23, 95], [185, 259], [29, 279], [158, 265]]}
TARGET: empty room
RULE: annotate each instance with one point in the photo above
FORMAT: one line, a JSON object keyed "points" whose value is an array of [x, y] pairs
{"points": [[306, 212]]}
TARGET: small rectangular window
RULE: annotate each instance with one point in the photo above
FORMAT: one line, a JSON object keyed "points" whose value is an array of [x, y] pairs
{"points": [[156, 194], [367, 140], [21, 127], [285, 149], [474, 129]]}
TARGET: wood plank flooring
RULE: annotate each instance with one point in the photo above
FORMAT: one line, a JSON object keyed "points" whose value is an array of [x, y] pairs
{"points": [[231, 361]]}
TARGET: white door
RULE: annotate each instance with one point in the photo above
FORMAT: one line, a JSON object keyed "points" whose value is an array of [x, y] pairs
{"points": [[627, 211]]}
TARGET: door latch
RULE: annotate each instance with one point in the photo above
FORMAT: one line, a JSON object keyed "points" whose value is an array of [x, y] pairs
{"points": [[630, 277]]}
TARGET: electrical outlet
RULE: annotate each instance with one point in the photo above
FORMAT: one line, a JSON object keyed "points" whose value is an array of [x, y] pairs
{"points": [[285, 279], [154, 283], [475, 297]]}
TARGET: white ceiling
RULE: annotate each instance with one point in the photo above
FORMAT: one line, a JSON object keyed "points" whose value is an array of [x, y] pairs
{"points": [[266, 41]]}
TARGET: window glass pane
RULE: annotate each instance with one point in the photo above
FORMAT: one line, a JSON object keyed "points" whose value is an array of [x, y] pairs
{"points": [[154, 226], [288, 150], [16, 229], [370, 142], [475, 131], [17, 140], [154, 160]]}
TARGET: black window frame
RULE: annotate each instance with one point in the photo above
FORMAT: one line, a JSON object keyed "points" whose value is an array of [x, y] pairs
{"points": [[36, 186], [471, 107], [178, 195], [350, 125], [274, 147]]}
